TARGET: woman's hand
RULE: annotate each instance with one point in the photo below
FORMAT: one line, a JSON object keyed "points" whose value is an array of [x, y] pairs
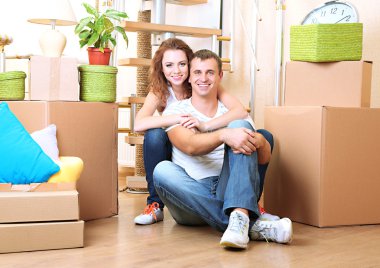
{"points": [[191, 122]]}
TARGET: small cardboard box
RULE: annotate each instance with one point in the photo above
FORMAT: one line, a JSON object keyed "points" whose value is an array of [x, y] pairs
{"points": [[54, 78], [326, 42], [340, 84], [87, 130], [325, 166], [41, 236], [38, 206]]}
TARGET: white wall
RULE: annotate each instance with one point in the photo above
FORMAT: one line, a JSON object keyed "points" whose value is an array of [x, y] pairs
{"points": [[238, 83]]}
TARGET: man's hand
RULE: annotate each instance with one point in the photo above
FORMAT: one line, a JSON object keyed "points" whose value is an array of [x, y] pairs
{"points": [[241, 140]]}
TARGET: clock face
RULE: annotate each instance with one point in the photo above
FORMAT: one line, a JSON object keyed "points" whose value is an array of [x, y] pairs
{"points": [[332, 12]]}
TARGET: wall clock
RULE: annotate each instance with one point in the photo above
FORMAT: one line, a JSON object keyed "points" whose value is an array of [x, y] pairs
{"points": [[332, 12]]}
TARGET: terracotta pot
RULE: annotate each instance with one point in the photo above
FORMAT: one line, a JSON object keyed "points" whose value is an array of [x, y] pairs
{"points": [[96, 57]]}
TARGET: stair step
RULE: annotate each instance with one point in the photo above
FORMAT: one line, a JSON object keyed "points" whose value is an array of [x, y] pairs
{"points": [[135, 62], [133, 140], [124, 130], [225, 60], [186, 2], [226, 67], [135, 26], [138, 182], [224, 38], [146, 62]]}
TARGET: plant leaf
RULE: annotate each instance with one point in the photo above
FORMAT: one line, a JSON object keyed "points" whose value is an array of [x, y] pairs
{"points": [[93, 39], [82, 23], [99, 25], [122, 31], [82, 43], [108, 25], [113, 41], [91, 10], [84, 34], [116, 15]]}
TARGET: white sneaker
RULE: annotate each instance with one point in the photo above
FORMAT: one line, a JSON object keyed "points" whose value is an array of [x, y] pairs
{"points": [[280, 231], [265, 216], [151, 214], [236, 234]]}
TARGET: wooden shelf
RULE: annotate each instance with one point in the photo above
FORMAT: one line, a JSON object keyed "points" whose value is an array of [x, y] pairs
{"points": [[133, 26], [147, 62]]}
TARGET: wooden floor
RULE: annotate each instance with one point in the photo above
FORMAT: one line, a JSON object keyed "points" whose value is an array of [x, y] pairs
{"points": [[118, 242]]}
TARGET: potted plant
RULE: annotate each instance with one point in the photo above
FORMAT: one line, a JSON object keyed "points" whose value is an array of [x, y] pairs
{"points": [[95, 32]]}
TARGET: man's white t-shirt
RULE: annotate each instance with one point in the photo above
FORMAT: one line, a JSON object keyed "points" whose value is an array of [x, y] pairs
{"points": [[198, 167]]}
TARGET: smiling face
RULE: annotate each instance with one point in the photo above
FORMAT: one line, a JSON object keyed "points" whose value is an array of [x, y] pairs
{"points": [[175, 67], [205, 77]]}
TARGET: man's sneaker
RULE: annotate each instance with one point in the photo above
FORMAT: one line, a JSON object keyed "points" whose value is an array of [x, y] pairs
{"points": [[151, 214], [265, 216], [280, 231], [236, 234]]}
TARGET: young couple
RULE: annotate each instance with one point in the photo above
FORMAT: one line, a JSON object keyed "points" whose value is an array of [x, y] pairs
{"points": [[203, 172]]}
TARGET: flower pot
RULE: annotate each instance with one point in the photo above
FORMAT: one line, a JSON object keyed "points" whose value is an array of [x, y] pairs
{"points": [[96, 57]]}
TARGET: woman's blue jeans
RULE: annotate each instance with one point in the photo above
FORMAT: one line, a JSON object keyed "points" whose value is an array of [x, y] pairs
{"points": [[210, 200], [156, 148]]}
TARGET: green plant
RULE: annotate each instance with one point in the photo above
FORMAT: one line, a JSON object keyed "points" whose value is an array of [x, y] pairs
{"points": [[96, 30]]}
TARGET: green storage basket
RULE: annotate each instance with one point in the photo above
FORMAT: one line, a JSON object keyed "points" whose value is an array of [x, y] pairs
{"points": [[12, 85], [97, 83], [326, 42]]}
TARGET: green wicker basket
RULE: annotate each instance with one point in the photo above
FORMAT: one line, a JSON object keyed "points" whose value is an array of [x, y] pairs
{"points": [[12, 85], [326, 42], [97, 83]]}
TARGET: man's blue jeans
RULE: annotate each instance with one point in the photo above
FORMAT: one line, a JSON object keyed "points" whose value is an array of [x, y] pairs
{"points": [[211, 200], [156, 148]]}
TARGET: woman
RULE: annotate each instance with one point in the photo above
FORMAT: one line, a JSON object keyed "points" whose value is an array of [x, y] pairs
{"points": [[169, 83]]}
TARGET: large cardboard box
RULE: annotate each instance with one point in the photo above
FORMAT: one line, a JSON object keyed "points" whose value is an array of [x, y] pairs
{"points": [[54, 78], [325, 166], [339, 84], [87, 130], [38, 206], [41, 236]]}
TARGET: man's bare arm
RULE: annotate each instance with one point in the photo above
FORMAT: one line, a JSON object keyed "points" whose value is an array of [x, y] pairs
{"points": [[241, 140]]}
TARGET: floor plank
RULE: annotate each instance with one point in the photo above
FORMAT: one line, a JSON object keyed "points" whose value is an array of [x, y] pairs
{"points": [[118, 242]]}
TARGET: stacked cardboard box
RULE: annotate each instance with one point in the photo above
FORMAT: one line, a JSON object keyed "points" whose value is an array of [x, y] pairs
{"points": [[324, 169], [87, 130], [39, 217], [54, 78]]}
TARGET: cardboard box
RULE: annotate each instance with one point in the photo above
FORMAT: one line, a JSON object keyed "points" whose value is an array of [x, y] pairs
{"points": [[38, 206], [40, 236], [87, 130], [54, 78], [325, 166], [340, 84]]}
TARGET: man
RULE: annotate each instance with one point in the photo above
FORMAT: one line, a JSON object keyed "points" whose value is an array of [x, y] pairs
{"points": [[207, 183]]}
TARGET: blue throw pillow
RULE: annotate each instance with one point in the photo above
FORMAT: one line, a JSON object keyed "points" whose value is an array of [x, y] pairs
{"points": [[22, 160]]}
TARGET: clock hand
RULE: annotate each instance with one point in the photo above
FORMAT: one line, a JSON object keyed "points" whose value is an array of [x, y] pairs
{"points": [[348, 16]]}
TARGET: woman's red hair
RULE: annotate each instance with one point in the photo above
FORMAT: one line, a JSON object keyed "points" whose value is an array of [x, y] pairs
{"points": [[158, 83]]}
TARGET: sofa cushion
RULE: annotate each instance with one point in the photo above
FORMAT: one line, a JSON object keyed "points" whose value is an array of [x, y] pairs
{"points": [[22, 160], [47, 140]]}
